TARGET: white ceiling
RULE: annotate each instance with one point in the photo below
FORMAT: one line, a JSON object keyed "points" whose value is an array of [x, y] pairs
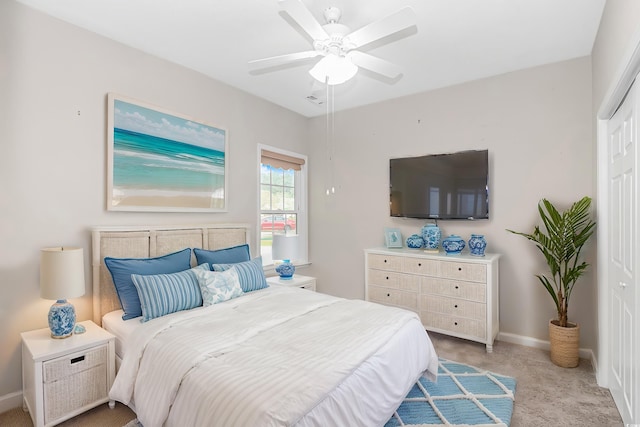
{"points": [[455, 41]]}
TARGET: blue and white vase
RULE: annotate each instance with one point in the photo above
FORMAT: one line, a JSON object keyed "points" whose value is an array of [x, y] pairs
{"points": [[477, 245], [453, 245], [62, 319], [431, 236], [415, 241]]}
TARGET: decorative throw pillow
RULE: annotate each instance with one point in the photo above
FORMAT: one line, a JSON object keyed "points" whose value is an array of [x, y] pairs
{"points": [[121, 270], [218, 286], [231, 255], [162, 294], [250, 274]]}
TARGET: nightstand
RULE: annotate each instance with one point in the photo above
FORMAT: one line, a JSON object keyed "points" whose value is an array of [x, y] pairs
{"points": [[62, 378], [298, 281]]}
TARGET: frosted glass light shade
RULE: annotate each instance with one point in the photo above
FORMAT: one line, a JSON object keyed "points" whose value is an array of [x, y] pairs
{"points": [[337, 69]]}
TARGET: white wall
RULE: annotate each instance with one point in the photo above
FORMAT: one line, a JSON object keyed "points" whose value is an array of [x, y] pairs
{"points": [[537, 126], [619, 25], [54, 78]]}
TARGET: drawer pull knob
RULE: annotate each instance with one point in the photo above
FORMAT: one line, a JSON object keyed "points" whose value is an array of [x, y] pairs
{"points": [[455, 323], [387, 277], [455, 306], [419, 264], [385, 260], [459, 268], [77, 359], [457, 287], [388, 295]]}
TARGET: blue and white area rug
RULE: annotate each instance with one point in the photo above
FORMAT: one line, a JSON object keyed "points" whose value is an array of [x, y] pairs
{"points": [[463, 396]]}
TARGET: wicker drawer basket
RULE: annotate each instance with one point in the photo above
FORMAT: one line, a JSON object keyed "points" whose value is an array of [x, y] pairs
{"points": [[74, 381]]}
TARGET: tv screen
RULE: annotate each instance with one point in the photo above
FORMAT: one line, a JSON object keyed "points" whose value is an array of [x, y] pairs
{"points": [[440, 186]]}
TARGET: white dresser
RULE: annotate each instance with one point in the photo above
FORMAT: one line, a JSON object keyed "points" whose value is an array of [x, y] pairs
{"points": [[454, 295]]}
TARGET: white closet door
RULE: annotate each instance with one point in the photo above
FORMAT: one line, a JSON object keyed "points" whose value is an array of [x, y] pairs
{"points": [[623, 258]]}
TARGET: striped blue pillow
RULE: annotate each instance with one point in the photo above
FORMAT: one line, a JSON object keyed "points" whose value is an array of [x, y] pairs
{"points": [[162, 294], [250, 274]]}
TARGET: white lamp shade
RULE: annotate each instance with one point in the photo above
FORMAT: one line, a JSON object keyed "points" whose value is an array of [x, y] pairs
{"points": [[334, 70], [284, 246], [61, 273]]}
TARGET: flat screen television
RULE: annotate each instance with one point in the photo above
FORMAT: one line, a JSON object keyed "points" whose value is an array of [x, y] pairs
{"points": [[440, 186]]}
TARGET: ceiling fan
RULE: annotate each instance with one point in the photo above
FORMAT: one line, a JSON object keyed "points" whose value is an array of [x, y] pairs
{"points": [[338, 46]]}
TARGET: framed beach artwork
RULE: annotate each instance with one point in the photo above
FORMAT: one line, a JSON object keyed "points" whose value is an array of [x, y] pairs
{"points": [[163, 162], [392, 237]]}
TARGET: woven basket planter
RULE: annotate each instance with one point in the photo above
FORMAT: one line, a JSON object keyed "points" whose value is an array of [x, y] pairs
{"points": [[565, 344]]}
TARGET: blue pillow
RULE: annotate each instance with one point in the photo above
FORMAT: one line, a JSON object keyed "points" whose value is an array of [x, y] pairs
{"points": [[250, 274], [231, 255], [162, 294], [121, 270]]}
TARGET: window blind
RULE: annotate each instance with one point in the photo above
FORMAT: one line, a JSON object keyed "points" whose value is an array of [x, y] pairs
{"points": [[278, 160]]}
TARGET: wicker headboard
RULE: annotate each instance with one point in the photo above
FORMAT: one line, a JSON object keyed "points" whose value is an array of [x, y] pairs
{"points": [[147, 242]]}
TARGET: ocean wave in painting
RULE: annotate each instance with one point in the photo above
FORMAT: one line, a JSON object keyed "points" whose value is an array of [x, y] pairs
{"points": [[146, 162]]}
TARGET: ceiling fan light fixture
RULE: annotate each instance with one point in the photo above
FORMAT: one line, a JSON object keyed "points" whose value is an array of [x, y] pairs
{"points": [[334, 70]]}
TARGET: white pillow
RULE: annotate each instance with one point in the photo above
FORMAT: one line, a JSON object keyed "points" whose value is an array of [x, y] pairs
{"points": [[218, 286]]}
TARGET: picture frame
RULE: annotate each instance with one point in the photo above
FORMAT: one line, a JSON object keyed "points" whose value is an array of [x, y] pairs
{"points": [[392, 237], [161, 161]]}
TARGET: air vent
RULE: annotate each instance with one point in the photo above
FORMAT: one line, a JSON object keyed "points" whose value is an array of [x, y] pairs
{"points": [[315, 100]]}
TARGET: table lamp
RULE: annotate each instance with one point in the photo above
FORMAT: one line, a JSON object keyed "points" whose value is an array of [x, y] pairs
{"points": [[285, 248], [61, 277]]}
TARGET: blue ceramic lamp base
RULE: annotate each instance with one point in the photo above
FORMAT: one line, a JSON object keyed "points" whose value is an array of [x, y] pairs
{"points": [[62, 319], [286, 270]]}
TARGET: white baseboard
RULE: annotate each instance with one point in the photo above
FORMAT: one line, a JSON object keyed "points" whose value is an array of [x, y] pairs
{"points": [[585, 353], [10, 401]]}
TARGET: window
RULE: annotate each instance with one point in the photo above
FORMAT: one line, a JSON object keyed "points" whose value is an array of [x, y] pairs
{"points": [[282, 200]]}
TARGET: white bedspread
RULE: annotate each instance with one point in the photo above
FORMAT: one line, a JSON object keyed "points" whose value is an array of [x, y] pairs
{"points": [[264, 359]]}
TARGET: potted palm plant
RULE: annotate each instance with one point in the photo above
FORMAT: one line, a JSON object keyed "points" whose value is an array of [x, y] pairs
{"points": [[561, 242]]}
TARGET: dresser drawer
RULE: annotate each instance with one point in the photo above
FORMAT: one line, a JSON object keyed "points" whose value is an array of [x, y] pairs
{"points": [[73, 363], [74, 392], [385, 262], [453, 306], [454, 288], [420, 266], [463, 271], [457, 325], [388, 296], [390, 279], [74, 381]]}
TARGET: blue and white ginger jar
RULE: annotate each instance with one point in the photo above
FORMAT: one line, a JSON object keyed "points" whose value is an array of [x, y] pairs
{"points": [[415, 241], [431, 236], [477, 245], [453, 245], [62, 319]]}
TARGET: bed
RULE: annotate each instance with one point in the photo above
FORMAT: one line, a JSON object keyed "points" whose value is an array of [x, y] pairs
{"points": [[275, 356]]}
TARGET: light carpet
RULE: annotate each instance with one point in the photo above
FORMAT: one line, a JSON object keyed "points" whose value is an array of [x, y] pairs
{"points": [[463, 396]]}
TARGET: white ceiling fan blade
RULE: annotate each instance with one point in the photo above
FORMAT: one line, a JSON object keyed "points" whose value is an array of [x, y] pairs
{"points": [[401, 20], [299, 12], [375, 64], [275, 61]]}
